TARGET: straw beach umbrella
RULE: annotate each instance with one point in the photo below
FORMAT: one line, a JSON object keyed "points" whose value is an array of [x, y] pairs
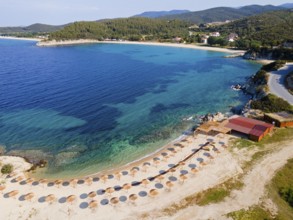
{"points": [[29, 180], [19, 178], [43, 181], [73, 182], [110, 190], [154, 192], [156, 162], [13, 193], [126, 186], [133, 197], [183, 177], [50, 198], [145, 182], [70, 199], [172, 170], [145, 166], [181, 164], [92, 194], [169, 184], [118, 175], [165, 158], [93, 204], [89, 181], [2, 187], [194, 170], [58, 183], [29, 196], [104, 178], [160, 178], [114, 200], [133, 172]]}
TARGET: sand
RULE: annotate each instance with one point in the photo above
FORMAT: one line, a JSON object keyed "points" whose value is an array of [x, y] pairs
{"points": [[20, 38], [190, 46], [216, 170]]}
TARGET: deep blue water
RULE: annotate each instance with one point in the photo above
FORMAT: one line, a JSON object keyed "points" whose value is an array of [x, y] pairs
{"points": [[89, 107]]}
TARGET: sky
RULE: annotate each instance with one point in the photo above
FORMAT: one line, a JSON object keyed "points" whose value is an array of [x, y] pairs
{"points": [[55, 12]]}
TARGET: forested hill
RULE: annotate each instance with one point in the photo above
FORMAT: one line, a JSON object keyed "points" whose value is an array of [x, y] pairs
{"points": [[123, 28], [157, 14], [34, 28], [268, 29], [223, 13]]}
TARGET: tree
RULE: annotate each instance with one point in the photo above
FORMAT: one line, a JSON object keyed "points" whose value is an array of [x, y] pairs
{"points": [[7, 169]]}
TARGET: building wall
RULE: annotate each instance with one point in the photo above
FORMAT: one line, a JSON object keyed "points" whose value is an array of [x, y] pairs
{"points": [[278, 123]]}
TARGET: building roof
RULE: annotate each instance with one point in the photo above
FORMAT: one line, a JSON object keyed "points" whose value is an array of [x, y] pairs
{"points": [[248, 125], [281, 116]]}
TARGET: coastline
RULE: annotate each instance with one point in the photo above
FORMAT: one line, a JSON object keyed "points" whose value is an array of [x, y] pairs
{"points": [[20, 38], [88, 41]]}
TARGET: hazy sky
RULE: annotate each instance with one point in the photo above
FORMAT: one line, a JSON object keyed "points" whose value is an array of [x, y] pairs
{"points": [[26, 12]]}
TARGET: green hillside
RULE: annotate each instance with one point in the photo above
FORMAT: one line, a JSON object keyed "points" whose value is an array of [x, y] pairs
{"points": [[124, 28], [222, 13], [34, 28]]}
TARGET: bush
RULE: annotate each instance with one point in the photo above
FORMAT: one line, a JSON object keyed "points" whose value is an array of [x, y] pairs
{"points": [[7, 169], [271, 103], [260, 77], [287, 195], [274, 65]]}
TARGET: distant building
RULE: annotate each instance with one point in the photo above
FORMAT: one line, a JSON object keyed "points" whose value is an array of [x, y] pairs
{"points": [[177, 39], [215, 34], [232, 37], [204, 39], [280, 119], [288, 45], [254, 129]]}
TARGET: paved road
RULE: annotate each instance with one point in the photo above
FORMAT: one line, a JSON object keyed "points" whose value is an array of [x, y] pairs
{"points": [[276, 83]]}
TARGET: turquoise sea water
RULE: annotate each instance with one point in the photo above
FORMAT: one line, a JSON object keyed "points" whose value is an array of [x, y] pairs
{"points": [[91, 107]]}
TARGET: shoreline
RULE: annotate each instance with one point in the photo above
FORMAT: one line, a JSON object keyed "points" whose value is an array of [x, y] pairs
{"points": [[20, 38], [88, 41]]}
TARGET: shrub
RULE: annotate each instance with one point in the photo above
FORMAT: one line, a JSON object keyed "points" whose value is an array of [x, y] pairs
{"points": [[274, 65], [287, 195], [271, 103], [7, 169]]}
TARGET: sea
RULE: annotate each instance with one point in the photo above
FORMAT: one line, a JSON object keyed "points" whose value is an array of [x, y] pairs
{"points": [[93, 107]]}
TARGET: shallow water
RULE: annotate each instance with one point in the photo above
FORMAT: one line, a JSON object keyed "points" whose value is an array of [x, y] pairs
{"points": [[92, 107]]}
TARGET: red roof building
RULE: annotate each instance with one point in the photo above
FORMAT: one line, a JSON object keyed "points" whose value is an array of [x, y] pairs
{"points": [[255, 129]]}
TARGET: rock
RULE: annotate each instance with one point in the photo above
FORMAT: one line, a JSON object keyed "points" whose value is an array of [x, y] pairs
{"points": [[33, 156], [64, 157]]}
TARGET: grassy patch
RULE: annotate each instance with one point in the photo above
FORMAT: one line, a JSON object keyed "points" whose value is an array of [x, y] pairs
{"points": [[283, 179], [253, 213], [212, 195]]}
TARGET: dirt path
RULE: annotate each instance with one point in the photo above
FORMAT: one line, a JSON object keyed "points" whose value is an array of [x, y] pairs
{"points": [[254, 189]]}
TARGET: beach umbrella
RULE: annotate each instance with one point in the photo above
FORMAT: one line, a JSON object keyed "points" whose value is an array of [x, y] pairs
{"points": [[160, 178], [114, 200], [12, 174], [133, 172], [153, 192], [13, 193], [156, 162], [29, 180], [2, 187], [181, 164], [194, 170], [104, 178], [73, 182], [50, 198], [89, 180], [19, 178], [126, 186], [206, 148], [133, 197], [172, 170], [145, 182], [58, 182], [224, 146], [165, 158], [92, 194], [29, 196], [70, 199], [183, 177], [173, 153], [216, 150], [118, 175], [169, 184], [178, 148], [93, 204], [110, 190], [145, 166]]}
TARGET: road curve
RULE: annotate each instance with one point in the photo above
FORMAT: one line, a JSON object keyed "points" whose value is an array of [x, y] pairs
{"points": [[277, 80]]}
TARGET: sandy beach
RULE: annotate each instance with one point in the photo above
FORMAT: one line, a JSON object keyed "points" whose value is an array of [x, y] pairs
{"points": [[20, 38], [149, 180], [190, 46]]}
